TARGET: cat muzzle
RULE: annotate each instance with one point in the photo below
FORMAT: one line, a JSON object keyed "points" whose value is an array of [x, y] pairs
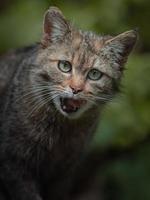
{"points": [[70, 105]]}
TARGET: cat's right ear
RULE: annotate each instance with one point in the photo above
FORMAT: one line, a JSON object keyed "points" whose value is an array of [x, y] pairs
{"points": [[56, 27]]}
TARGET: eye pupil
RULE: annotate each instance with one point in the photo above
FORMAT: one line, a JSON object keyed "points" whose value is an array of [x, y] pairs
{"points": [[94, 74], [64, 66]]}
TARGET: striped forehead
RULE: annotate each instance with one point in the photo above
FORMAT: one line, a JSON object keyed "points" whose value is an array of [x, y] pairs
{"points": [[82, 60], [85, 50]]}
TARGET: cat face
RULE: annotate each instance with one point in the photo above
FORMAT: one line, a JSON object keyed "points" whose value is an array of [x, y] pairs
{"points": [[80, 69]]}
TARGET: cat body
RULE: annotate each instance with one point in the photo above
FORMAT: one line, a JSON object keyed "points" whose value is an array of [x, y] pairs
{"points": [[51, 96], [46, 145]]}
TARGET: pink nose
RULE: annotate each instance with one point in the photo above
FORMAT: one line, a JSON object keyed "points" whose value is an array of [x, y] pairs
{"points": [[76, 90]]}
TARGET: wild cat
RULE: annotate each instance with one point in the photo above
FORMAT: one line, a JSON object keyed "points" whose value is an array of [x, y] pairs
{"points": [[51, 97]]}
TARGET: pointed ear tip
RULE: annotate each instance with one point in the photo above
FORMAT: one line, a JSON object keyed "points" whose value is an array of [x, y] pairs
{"points": [[132, 34], [54, 9], [136, 29], [135, 32]]}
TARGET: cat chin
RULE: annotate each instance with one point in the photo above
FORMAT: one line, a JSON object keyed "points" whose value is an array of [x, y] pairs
{"points": [[73, 115]]}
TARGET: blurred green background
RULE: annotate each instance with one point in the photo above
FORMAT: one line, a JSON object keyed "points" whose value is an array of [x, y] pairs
{"points": [[126, 121]]}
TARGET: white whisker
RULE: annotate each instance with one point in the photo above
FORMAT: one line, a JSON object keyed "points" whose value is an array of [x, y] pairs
{"points": [[41, 103]]}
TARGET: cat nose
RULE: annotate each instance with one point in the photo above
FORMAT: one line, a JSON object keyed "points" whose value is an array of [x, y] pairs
{"points": [[76, 90]]}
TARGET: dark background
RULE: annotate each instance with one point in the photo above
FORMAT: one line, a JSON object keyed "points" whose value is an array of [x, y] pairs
{"points": [[118, 165]]}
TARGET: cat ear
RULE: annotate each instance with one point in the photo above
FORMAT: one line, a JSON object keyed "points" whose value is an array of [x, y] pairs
{"points": [[119, 47], [56, 27]]}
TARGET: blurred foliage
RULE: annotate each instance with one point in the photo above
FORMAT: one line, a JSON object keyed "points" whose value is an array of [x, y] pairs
{"points": [[127, 119]]}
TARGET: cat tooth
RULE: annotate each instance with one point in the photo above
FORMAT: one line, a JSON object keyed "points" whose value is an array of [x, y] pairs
{"points": [[64, 107]]}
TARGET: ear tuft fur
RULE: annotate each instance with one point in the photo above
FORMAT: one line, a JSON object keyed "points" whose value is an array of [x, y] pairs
{"points": [[56, 27], [117, 49], [125, 40]]}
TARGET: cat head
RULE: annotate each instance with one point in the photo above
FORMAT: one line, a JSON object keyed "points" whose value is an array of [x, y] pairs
{"points": [[80, 69]]}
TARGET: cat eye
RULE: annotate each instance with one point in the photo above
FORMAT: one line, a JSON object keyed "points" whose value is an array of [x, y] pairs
{"points": [[94, 74], [64, 66]]}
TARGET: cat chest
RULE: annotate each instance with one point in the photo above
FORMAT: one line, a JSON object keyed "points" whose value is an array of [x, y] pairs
{"points": [[62, 155], [61, 159]]}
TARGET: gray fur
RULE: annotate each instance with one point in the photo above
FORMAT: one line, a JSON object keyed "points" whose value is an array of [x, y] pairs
{"points": [[39, 147]]}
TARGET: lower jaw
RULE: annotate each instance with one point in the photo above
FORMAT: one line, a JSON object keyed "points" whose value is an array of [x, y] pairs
{"points": [[73, 115]]}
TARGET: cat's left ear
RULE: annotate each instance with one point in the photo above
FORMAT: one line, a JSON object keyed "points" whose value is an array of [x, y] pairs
{"points": [[119, 47], [56, 27]]}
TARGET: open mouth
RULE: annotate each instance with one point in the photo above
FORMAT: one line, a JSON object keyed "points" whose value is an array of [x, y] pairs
{"points": [[70, 105]]}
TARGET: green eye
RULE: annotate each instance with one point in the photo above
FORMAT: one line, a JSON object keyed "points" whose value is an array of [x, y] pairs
{"points": [[94, 74], [64, 66]]}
